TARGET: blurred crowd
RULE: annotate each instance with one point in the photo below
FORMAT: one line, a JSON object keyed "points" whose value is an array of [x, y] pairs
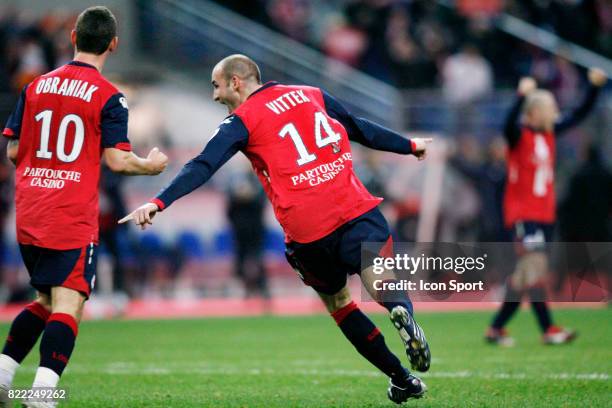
{"points": [[31, 46], [421, 44], [416, 44]]}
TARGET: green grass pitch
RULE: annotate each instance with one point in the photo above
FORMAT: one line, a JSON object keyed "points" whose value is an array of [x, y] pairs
{"points": [[306, 362]]}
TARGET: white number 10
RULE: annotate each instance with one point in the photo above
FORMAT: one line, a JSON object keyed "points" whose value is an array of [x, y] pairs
{"points": [[321, 124], [79, 136]]}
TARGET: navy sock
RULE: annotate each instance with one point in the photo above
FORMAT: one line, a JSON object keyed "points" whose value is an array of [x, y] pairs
{"points": [[505, 313], [369, 341], [390, 298], [543, 315], [25, 331], [58, 342], [508, 308], [537, 296]]}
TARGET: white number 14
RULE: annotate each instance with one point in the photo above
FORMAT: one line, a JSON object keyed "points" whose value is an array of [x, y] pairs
{"points": [[321, 125]]}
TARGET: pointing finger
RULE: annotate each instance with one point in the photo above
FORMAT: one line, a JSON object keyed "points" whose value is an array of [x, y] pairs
{"points": [[126, 218]]}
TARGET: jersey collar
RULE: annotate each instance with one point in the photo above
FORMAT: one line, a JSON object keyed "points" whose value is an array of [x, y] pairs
{"points": [[82, 64], [267, 85]]}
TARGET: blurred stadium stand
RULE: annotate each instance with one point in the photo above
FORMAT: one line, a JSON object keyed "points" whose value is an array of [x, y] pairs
{"points": [[407, 64], [194, 35]]}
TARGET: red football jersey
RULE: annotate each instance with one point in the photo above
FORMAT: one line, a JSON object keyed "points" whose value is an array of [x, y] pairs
{"points": [[303, 159], [530, 194], [63, 120]]}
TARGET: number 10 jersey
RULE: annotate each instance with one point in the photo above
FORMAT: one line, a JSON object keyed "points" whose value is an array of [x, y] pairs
{"points": [[63, 120]]}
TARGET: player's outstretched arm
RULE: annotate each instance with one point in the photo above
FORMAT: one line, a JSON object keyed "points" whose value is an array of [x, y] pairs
{"points": [[512, 131], [130, 164], [597, 79], [229, 138], [373, 135]]}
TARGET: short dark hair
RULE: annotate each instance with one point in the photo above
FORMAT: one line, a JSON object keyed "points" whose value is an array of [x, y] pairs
{"points": [[95, 29]]}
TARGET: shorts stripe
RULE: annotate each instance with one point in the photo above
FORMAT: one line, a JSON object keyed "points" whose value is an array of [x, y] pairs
{"points": [[76, 278]]}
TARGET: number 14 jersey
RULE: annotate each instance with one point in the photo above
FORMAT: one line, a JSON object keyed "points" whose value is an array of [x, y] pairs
{"points": [[303, 159], [63, 121]]}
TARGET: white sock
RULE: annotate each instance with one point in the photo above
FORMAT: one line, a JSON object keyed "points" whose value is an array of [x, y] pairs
{"points": [[45, 378], [8, 366]]}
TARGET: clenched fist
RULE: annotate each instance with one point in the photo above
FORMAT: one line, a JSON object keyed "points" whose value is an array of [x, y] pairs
{"points": [[597, 77], [419, 146], [157, 161], [526, 85]]}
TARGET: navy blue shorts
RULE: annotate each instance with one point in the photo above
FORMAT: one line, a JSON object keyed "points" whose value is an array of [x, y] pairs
{"points": [[73, 268], [324, 264], [532, 236]]}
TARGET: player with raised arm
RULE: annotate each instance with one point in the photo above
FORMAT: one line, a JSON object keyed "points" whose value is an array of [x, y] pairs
{"points": [[63, 123], [298, 141], [529, 201]]}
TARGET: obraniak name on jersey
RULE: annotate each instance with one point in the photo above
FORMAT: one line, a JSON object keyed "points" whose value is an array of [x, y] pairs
{"points": [[287, 101], [76, 88]]}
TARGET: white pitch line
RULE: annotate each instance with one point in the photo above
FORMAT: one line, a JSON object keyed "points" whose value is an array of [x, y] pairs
{"points": [[127, 368], [258, 371]]}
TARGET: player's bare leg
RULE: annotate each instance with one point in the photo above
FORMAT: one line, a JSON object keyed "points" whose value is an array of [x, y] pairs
{"points": [[68, 301], [336, 302], [58, 339], [534, 270], [370, 343], [401, 315], [530, 268], [496, 333], [527, 278], [23, 335]]}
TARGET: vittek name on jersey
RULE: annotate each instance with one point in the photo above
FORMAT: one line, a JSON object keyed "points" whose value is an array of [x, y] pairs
{"points": [[287, 101]]}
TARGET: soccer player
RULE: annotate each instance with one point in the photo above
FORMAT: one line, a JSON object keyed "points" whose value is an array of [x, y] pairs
{"points": [[529, 201], [298, 141], [63, 123]]}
